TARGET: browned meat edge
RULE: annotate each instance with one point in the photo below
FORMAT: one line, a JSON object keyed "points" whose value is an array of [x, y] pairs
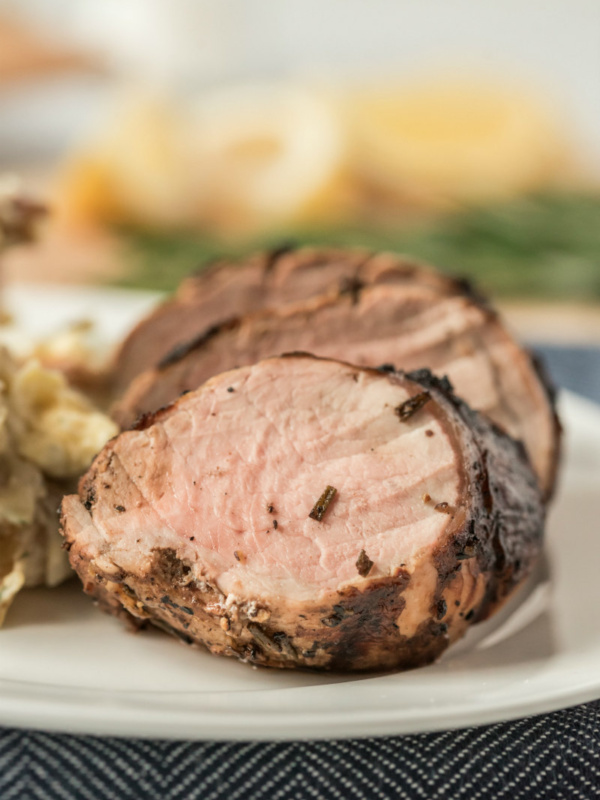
{"points": [[497, 538]]}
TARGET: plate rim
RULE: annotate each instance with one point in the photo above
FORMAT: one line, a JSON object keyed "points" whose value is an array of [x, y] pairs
{"points": [[115, 719]]}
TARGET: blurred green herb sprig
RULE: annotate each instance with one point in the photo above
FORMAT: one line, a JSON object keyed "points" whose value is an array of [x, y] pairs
{"points": [[544, 247]]}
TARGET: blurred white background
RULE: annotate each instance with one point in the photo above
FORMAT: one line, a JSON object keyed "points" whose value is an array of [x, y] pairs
{"points": [[550, 45]]}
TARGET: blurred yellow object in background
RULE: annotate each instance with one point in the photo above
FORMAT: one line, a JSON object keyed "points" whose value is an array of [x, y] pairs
{"points": [[235, 161], [256, 157], [443, 143], [85, 193], [137, 171], [273, 156]]}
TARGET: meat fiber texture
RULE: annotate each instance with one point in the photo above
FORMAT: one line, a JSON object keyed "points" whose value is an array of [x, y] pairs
{"points": [[407, 318], [264, 280], [216, 518]]}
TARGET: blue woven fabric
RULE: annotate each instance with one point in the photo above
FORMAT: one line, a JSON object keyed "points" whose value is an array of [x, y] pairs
{"points": [[553, 756]]}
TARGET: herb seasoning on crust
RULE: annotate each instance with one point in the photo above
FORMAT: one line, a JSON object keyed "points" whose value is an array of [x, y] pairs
{"points": [[322, 504]]}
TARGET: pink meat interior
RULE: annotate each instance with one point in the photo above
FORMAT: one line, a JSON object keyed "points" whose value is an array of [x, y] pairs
{"points": [[235, 468]]}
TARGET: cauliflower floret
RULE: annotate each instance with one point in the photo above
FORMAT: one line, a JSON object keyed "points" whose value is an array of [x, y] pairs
{"points": [[49, 433], [56, 428]]}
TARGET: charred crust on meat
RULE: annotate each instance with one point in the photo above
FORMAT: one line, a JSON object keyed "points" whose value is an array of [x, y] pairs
{"points": [[179, 352], [171, 629], [491, 535], [340, 613], [410, 407], [320, 507], [284, 644], [465, 287], [278, 641], [311, 652], [166, 600], [303, 354], [441, 608], [333, 621], [364, 565], [261, 637], [149, 418], [351, 286], [369, 618], [485, 482], [169, 567], [251, 653], [272, 256], [343, 611], [466, 553], [120, 509], [427, 379], [539, 366], [90, 496]]}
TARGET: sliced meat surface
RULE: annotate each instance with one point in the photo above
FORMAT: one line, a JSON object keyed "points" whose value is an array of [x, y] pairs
{"points": [[266, 280], [304, 512], [408, 325]]}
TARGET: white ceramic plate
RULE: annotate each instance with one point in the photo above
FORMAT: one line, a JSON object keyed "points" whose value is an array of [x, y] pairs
{"points": [[65, 666]]}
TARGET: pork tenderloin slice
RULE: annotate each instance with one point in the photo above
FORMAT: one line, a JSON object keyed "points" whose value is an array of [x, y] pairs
{"points": [[409, 325], [264, 280], [202, 519]]}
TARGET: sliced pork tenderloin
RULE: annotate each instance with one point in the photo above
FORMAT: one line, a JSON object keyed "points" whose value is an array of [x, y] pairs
{"points": [[407, 324], [304, 512], [264, 280]]}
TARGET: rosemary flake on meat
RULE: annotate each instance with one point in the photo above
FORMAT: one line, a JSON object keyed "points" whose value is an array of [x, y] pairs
{"points": [[410, 407], [363, 564], [322, 504]]}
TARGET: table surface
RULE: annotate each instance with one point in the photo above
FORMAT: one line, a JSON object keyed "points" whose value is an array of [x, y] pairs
{"points": [[551, 756]]}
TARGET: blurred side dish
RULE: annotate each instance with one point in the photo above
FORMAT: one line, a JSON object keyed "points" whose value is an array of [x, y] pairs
{"points": [[254, 157], [49, 434]]}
